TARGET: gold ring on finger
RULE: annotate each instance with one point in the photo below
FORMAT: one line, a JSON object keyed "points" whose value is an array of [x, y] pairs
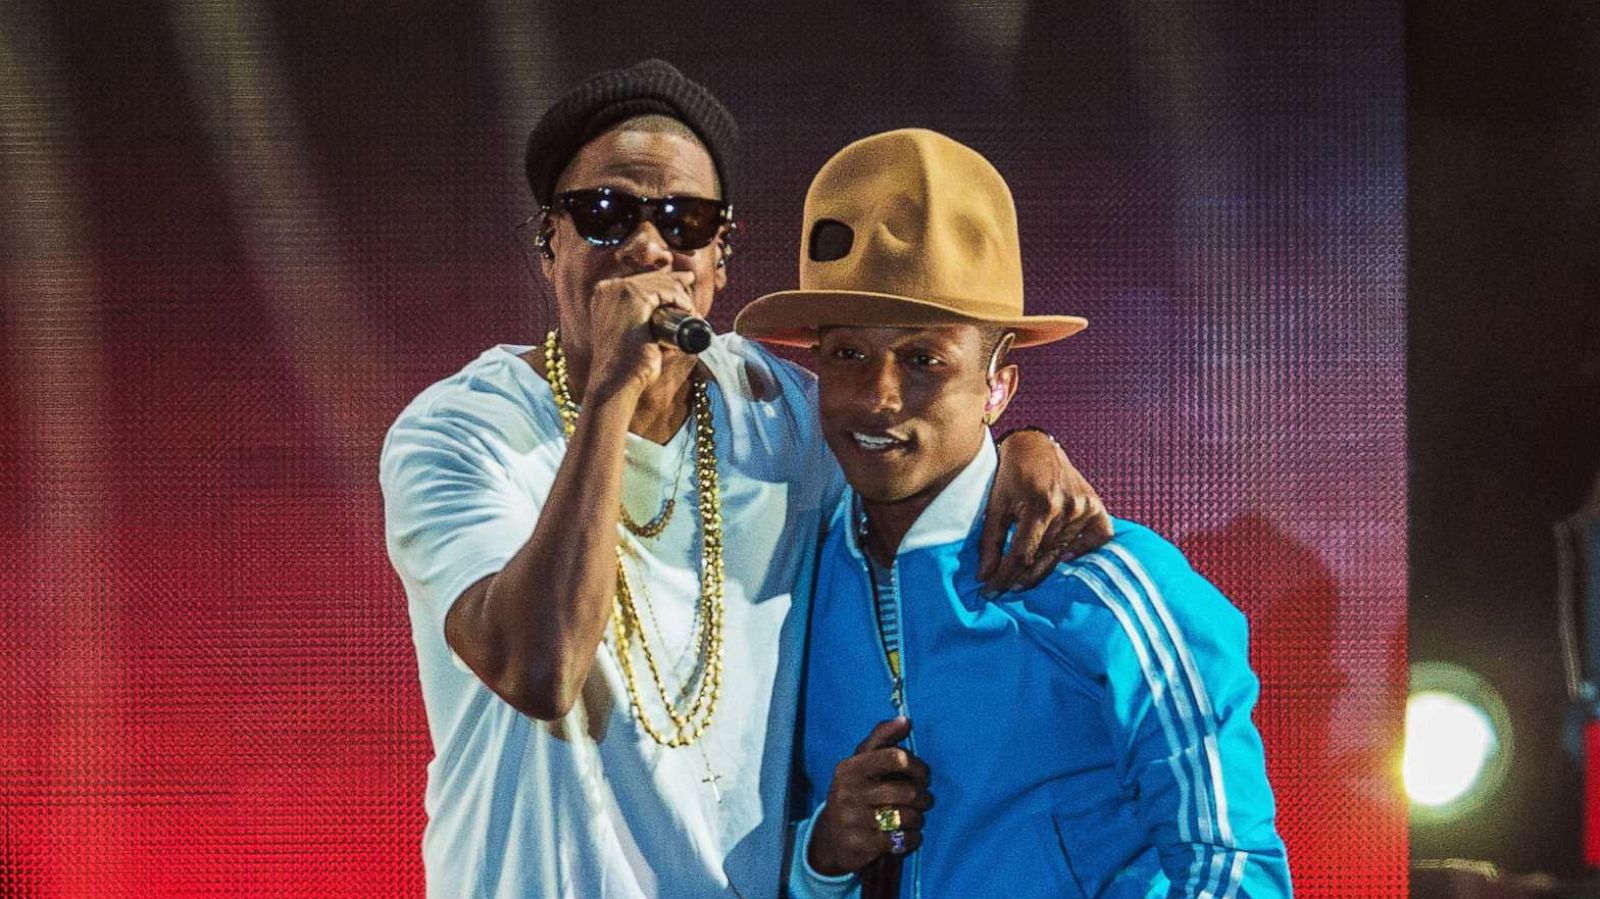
{"points": [[888, 818]]}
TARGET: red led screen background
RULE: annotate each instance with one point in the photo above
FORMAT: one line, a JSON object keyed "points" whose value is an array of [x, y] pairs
{"points": [[236, 238]]}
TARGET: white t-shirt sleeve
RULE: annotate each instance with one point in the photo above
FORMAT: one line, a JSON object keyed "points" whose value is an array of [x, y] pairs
{"points": [[793, 421], [454, 512]]}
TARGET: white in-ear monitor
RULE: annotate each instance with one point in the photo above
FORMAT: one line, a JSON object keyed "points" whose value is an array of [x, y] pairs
{"points": [[997, 390], [997, 395]]}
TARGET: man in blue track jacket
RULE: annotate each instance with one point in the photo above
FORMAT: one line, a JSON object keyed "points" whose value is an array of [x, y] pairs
{"points": [[1088, 737]]}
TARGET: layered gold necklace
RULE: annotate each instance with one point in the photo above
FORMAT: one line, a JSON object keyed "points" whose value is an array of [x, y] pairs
{"points": [[690, 715]]}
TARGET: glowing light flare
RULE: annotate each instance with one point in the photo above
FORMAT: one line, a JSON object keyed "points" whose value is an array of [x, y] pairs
{"points": [[1458, 744], [1449, 744]]}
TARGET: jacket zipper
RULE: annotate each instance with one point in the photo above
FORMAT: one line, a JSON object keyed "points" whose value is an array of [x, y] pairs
{"points": [[897, 682]]}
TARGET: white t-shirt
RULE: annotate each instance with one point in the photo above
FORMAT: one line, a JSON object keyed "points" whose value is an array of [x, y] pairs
{"points": [[590, 806]]}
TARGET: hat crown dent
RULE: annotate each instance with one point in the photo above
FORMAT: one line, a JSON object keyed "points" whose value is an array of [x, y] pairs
{"points": [[933, 241], [932, 219]]}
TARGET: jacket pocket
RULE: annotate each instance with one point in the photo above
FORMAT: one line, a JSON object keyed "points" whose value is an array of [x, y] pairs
{"points": [[1061, 855]]}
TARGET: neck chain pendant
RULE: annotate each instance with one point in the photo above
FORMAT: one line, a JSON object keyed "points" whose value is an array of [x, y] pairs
{"points": [[712, 777]]}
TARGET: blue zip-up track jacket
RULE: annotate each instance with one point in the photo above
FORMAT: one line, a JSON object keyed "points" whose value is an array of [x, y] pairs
{"points": [[1090, 737]]}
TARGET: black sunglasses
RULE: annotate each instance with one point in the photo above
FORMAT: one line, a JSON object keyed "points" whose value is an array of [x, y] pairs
{"points": [[605, 217]]}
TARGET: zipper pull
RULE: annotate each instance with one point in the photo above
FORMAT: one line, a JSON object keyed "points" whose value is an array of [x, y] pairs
{"points": [[897, 695]]}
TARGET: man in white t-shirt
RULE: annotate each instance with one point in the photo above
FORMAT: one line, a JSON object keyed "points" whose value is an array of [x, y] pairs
{"points": [[612, 707]]}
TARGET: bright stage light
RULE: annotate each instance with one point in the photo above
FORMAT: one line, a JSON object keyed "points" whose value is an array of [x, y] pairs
{"points": [[1448, 741], [1458, 741]]}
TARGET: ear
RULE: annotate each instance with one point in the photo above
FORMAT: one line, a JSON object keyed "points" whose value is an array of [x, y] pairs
{"points": [[545, 249], [719, 277], [1002, 389]]}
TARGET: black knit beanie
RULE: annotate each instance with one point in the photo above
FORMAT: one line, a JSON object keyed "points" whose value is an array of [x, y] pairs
{"points": [[649, 87]]}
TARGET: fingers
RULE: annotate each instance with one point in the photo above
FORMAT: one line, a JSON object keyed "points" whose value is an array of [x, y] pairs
{"points": [[898, 793], [881, 776], [886, 775], [909, 833], [910, 818], [1100, 529], [911, 841], [625, 354], [890, 762], [1060, 535], [1090, 524], [1021, 554], [682, 294], [622, 308], [1029, 484], [903, 837], [1042, 564], [885, 734], [643, 292], [850, 835], [996, 521], [1088, 531], [1039, 543]]}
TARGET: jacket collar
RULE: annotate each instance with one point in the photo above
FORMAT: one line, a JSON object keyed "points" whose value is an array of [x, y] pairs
{"points": [[952, 515]]}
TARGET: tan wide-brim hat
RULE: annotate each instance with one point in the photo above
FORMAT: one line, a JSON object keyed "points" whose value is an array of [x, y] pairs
{"points": [[905, 229]]}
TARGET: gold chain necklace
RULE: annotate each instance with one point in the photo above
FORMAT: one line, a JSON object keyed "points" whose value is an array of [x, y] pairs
{"points": [[686, 724], [656, 525]]}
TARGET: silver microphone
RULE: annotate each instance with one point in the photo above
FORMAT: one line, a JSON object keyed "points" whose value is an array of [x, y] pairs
{"points": [[686, 331]]}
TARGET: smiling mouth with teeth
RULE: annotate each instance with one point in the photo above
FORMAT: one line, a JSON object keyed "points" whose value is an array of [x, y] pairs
{"points": [[875, 442]]}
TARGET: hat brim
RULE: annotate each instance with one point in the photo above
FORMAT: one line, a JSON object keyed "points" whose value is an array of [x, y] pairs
{"points": [[793, 317]]}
